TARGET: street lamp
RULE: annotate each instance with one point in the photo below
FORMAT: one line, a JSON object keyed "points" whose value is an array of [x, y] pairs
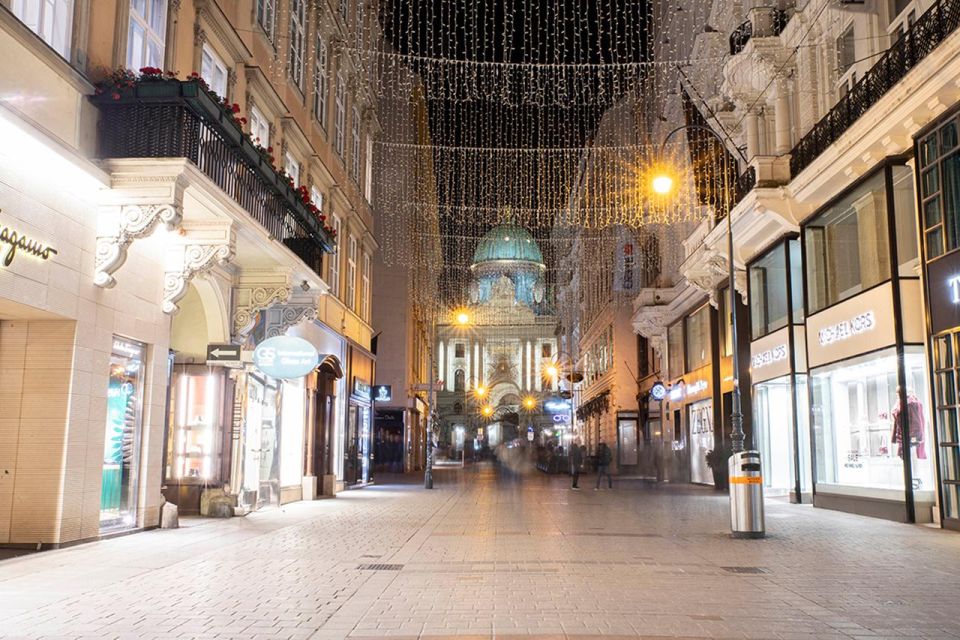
{"points": [[663, 185], [462, 319]]}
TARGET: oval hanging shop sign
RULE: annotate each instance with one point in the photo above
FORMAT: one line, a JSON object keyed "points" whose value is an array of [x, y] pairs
{"points": [[285, 357]]}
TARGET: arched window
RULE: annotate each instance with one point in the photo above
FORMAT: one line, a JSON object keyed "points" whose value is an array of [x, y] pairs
{"points": [[458, 380], [458, 408]]}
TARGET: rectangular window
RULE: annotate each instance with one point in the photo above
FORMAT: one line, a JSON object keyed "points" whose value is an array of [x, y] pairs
{"points": [[316, 197], [546, 350], [352, 274], [52, 20], [213, 71], [292, 167], [939, 168], [846, 53], [267, 17], [298, 40], [365, 288], [344, 9], [355, 146], [847, 245], [698, 338], [340, 100], [675, 350], [321, 85], [768, 292], [333, 261], [459, 351], [146, 33], [259, 128]]}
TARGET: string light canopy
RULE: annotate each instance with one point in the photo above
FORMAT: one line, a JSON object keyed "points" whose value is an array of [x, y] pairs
{"points": [[547, 115]]}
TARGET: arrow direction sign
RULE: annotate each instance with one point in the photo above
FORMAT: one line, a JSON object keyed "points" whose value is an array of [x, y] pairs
{"points": [[224, 355]]}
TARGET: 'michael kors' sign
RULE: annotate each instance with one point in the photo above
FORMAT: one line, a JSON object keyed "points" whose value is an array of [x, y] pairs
{"points": [[11, 241]]}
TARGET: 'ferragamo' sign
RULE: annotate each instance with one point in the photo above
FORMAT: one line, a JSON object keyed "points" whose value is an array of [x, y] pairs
{"points": [[12, 241]]}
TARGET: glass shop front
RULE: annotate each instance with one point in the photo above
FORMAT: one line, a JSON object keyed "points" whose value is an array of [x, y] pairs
{"points": [[121, 444], [868, 384], [778, 370]]}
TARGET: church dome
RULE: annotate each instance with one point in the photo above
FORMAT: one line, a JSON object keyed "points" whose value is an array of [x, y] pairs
{"points": [[507, 242]]}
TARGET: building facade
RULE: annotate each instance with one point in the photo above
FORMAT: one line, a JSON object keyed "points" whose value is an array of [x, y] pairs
{"points": [[493, 367], [839, 220], [244, 217]]}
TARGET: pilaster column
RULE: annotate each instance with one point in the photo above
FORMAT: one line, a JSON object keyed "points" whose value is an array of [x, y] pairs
{"points": [[782, 119], [753, 134]]}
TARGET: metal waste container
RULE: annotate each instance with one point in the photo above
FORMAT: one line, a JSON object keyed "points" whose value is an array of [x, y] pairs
{"points": [[746, 495]]}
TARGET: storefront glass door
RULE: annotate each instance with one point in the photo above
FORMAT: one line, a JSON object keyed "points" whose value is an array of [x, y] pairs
{"points": [[121, 444], [261, 468], [774, 434]]}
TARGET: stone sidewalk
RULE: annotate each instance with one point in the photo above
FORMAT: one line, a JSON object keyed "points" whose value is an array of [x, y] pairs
{"points": [[485, 555]]}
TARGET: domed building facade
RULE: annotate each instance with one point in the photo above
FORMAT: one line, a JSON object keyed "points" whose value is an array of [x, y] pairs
{"points": [[509, 251], [495, 364]]}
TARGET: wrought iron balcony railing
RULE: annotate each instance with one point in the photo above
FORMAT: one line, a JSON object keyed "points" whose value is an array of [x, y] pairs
{"points": [[181, 119], [926, 34], [742, 34]]}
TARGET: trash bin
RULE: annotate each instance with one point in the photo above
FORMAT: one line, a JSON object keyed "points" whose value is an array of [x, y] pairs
{"points": [[746, 495]]}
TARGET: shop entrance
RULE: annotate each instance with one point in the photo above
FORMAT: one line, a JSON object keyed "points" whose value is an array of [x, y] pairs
{"points": [[774, 435], [261, 464], [356, 464], [388, 440]]}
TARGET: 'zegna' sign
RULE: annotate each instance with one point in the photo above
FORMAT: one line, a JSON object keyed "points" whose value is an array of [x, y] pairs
{"points": [[12, 241]]}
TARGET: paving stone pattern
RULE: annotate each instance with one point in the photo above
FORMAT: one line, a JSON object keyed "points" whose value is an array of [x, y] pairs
{"points": [[485, 555]]}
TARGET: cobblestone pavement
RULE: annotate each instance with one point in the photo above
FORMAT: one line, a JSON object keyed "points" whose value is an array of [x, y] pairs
{"points": [[486, 555]]}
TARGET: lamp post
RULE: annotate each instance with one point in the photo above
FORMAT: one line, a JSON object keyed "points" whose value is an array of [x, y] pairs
{"points": [[663, 185], [463, 320]]}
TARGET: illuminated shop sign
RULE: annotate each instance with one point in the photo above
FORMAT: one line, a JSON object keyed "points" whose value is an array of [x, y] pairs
{"points": [[12, 241], [285, 357], [847, 329], [382, 393], [769, 356], [658, 391], [557, 405], [361, 389], [953, 283], [696, 387]]}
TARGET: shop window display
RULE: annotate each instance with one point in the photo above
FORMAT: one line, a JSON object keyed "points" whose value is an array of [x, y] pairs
{"points": [[700, 419], [193, 453], [261, 483], [857, 437], [947, 363], [121, 444]]}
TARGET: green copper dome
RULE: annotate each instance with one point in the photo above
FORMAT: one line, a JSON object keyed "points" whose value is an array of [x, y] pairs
{"points": [[507, 242]]}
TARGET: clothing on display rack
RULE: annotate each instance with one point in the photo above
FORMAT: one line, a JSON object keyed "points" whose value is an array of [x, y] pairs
{"points": [[917, 426]]}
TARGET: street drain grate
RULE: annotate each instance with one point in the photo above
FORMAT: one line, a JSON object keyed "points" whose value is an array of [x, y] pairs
{"points": [[380, 567], [745, 570]]}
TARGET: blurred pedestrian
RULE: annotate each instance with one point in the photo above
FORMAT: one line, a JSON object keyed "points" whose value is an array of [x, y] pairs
{"points": [[576, 461], [604, 458]]}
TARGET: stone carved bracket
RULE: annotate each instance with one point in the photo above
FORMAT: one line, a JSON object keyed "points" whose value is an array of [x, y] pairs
{"points": [[199, 250], [255, 293], [134, 221], [281, 317]]}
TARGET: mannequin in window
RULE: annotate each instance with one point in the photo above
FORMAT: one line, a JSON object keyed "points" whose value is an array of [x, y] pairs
{"points": [[917, 425]]}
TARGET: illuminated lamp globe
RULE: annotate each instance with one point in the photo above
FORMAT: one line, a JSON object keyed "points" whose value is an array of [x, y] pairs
{"points": [[662, 184]]}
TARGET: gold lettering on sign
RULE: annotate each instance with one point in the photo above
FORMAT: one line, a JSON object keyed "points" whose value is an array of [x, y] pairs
{"points": [[14, 241]]}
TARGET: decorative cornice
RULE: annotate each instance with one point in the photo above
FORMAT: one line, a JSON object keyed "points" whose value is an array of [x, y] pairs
{"points": [[197, 251]]}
